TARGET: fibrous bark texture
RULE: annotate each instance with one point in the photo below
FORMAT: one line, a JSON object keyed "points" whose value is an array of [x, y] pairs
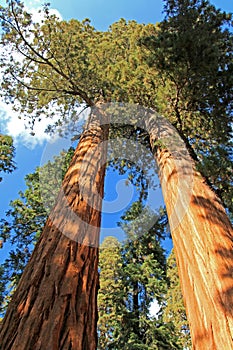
{"points": [[55, 304], [203, 240]]}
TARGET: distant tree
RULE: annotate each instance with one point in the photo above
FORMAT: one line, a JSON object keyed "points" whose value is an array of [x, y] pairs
{"points": [[7, 152], [132, 276], [111, 294], [144, 277], [174, 311]]}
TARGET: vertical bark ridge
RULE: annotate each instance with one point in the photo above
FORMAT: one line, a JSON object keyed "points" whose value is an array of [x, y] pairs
{"points": [[203, 241], [55, 304]]}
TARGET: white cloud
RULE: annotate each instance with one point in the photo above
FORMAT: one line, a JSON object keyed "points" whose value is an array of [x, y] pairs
{"points": [[11, 124], [154, 309], [34, 6], [18, 129], [9, 121]]}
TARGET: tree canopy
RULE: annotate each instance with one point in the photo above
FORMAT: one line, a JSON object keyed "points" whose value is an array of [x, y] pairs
{"points": [[181, 67], [192, 52]]}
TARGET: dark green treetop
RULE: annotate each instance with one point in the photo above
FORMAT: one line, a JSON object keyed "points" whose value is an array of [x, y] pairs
{"points": [[192, 52]]}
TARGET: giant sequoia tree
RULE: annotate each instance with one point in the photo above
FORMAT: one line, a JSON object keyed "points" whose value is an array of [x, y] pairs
{"points": [[68, 64], [25, 220], [193, 53], [190, 54]]}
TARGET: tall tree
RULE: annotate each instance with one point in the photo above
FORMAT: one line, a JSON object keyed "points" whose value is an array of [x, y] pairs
{"points": [[194, 55], [192, 52], [69, 63], [66, 256], [202, 237], [64, 284], [26, 217]]}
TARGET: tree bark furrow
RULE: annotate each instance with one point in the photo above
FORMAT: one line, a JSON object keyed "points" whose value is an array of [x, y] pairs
{"points": [[203, 241], [55, 304]]}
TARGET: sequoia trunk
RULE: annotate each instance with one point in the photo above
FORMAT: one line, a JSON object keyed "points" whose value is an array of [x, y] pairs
{"points": [[203, 240], [55, 304]]}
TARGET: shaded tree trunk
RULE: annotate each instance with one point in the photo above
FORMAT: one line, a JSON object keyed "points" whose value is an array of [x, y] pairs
{"points": [[55, 304], [203, 240]]}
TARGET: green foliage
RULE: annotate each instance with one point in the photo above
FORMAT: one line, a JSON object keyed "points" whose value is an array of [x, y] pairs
{"points": [[56, 57], [182, 68], [132, 276], [111, 293], [174, 311], [220, 159], [71, 63], [125, 73], [7, 152], [192, 53]]}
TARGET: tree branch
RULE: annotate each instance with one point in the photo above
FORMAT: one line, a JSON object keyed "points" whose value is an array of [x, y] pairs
{"points": [[76, 90]]}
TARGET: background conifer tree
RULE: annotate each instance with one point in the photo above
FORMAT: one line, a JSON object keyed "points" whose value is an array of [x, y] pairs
{"points": [[132, 276], [174, 310]]}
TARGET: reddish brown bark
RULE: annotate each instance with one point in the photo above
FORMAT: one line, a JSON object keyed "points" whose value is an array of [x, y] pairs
{"points": [[203, 241], [55, 304]]}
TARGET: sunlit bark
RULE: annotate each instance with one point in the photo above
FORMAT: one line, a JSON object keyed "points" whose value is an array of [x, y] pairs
{"points": [[203, 240], [55, 304]]}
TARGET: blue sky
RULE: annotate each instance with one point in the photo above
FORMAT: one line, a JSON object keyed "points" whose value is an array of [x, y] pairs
{"points": [[102, 14]]}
